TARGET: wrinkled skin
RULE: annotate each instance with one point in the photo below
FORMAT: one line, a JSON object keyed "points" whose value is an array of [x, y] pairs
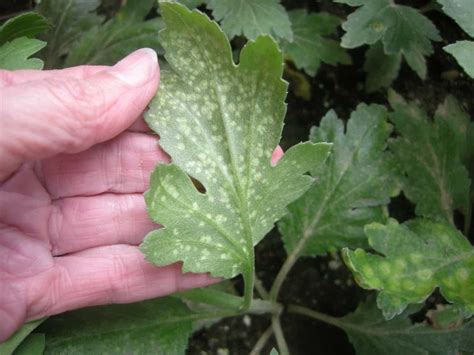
{"points": [[75, 159]]}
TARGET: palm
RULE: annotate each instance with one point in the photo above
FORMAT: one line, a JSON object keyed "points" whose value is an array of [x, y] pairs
{"points": [[70, 227]]}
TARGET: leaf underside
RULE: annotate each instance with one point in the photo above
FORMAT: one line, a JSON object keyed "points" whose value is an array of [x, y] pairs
{"points": [[418, 256], [220, 123], [350, 190]]}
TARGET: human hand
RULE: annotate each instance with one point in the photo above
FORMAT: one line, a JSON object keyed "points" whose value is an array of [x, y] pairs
{"points": [[75, 159]]}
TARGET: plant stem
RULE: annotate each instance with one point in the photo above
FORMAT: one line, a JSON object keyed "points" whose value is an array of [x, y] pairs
{"points": [[262, 341], [287, 266], [249, 286], [279, 336], [260, 289], [316, 315], [429, 7]]}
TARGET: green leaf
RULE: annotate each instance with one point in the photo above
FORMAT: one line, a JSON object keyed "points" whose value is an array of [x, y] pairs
{"points": [[463, 51], [28, 25], [371, 334], [462, 11], [7, 347], [429, 154], [381, 69], [160, 326], [418, 256], [135, 10], [252, 18], [114, 40], [220, 123], [16, 54], [192, 4], [69, 19], [402, 30], [34, 344], [350, 190], [309, 46]]}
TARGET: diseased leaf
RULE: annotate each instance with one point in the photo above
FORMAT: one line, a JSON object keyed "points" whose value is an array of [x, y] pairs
{"points": [[28, 25], [114, 40], [12, 343], [463, 51], [402, 30], [462, 11], [416, 257], [220, 123], [381, 69], [429, 154], [371, 334], [252, 18], [160, 326], [16, 54], [310, 47], [350, 190], [69, 19]]}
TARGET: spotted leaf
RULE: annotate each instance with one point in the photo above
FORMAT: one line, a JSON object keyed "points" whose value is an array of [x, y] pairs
{"points": [[351, 189], [416, 257], [220, 123]]}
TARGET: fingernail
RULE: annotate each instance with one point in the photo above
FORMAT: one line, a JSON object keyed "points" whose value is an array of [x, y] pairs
{"points": [[138, 68]]}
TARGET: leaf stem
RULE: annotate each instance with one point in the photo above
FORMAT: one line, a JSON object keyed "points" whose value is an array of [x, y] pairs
{"points": [[316, 315], [262, 341], [279, 336], [261, 289], [287, 266]]}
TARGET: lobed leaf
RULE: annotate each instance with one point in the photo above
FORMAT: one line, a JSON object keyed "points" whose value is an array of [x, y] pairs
{"points": [[352, 188], [16, 54], [310, 47], [462, 12], [162, 326], [70, 19], [371, 334], [416, 257], [252, 18], [429, 154], [220, 123], [381, 69], [12, 343], [463, 51], [28, 25], [118, 37], [402, 30]]}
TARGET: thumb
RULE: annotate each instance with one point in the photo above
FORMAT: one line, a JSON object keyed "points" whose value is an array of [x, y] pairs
{"points": [[61, 113]]}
